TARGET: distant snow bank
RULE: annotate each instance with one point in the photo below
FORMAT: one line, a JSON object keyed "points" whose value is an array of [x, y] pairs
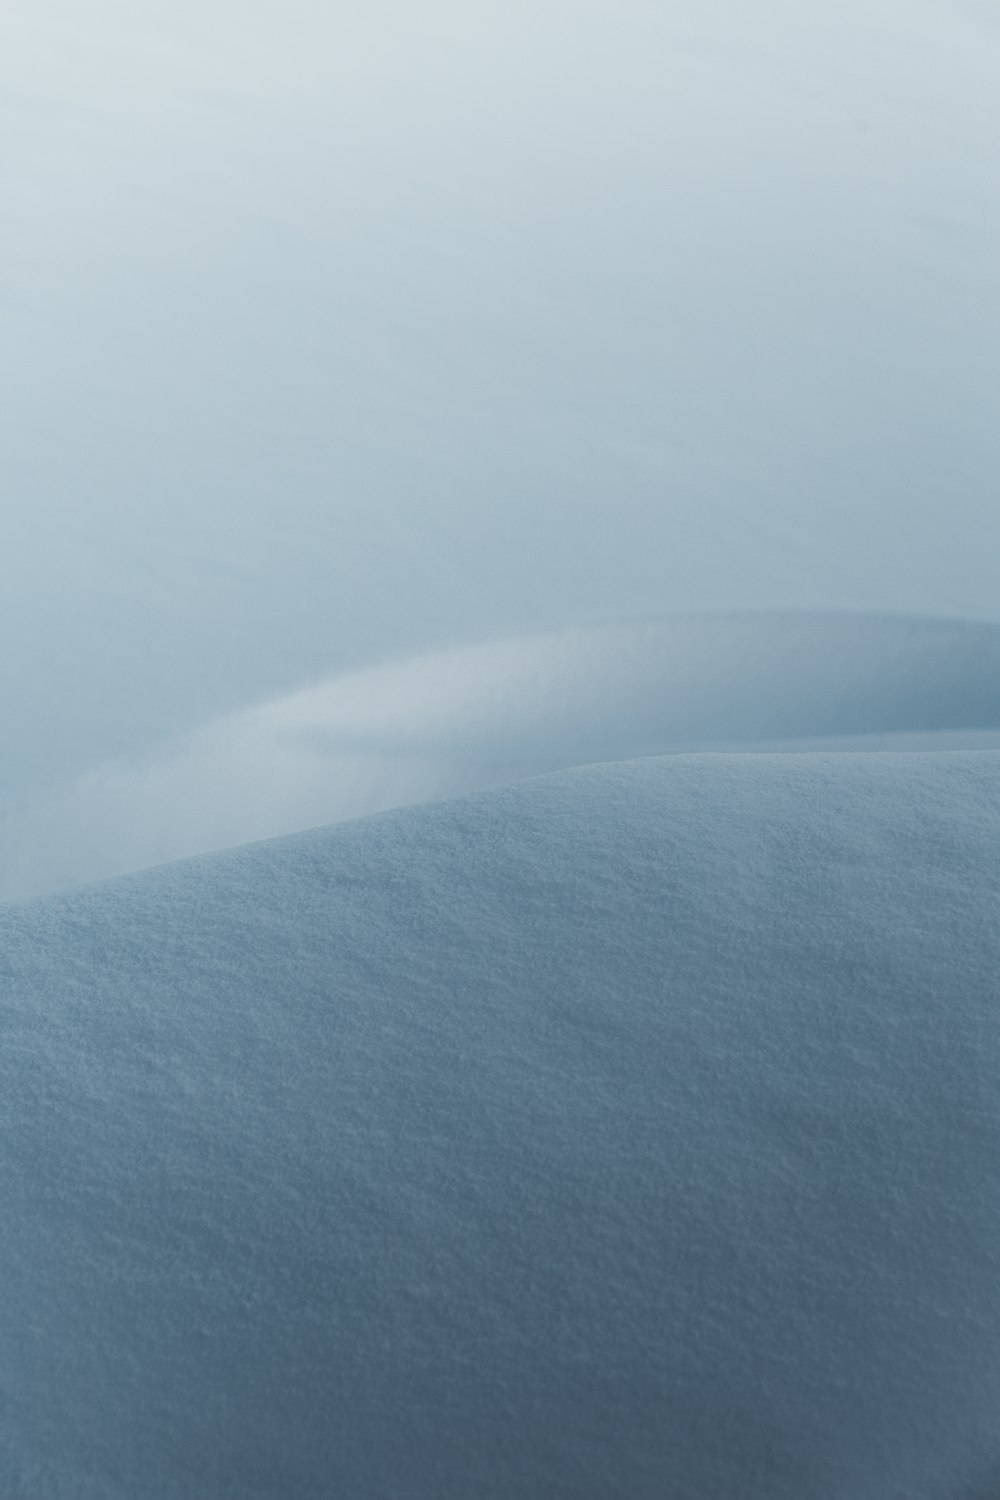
{"points": [[631, 1132], [445, 724]]}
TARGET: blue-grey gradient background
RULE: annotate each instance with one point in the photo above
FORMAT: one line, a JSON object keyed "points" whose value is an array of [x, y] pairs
{"points": [[335, 332]]}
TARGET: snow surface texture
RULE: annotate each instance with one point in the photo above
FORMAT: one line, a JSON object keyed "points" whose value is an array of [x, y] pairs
{"points": [[455, 721], [365, 367], [627, 1132]]}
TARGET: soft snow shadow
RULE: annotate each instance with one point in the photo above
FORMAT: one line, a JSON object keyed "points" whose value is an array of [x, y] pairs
{"points": [[448, 723]]}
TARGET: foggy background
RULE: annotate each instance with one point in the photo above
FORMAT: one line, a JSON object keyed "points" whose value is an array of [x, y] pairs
{"points": [[336, 334]]}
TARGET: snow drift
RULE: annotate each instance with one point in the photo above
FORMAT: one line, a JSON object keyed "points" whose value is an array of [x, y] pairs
{"points": [[628, 1132], [448, 723]]}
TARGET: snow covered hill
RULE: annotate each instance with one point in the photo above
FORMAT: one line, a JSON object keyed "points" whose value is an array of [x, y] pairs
{"points": [[463, 720], [627, 1132]]}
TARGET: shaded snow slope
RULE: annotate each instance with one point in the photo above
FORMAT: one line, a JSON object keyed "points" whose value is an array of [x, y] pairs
{"points": [[451, 722], [629, 1132]]}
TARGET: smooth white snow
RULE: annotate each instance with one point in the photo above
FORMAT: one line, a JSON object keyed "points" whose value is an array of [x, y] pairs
{"points": [[451, 722], [628, 1132]]}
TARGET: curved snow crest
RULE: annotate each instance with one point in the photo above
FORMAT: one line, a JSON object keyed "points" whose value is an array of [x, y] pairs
{"points": [[476, 716], [663, 682]]}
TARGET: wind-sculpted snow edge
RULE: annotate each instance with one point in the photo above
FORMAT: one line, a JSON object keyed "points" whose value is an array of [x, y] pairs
{"points": [[478, 716]]}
